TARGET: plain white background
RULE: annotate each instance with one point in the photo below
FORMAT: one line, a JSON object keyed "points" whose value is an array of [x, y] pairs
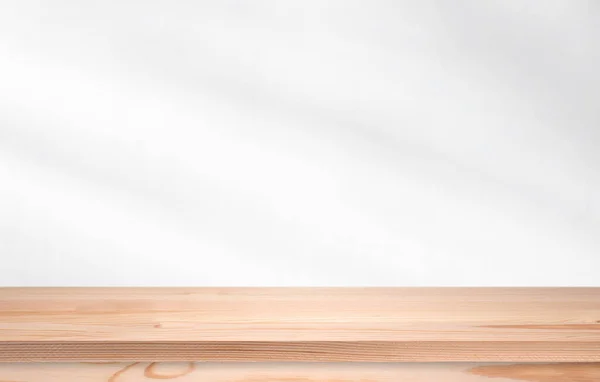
{"points": [[299, 143]]}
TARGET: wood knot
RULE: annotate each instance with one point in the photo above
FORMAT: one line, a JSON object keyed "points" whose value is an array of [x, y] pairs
{"points": [[150, 371]]}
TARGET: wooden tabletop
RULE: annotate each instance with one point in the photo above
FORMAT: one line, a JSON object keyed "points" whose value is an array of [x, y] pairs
{"points": [[300, 324]]}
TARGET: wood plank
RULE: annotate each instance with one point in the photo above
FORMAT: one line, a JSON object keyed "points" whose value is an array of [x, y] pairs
{"points": [[301, 324], [299, 372]]}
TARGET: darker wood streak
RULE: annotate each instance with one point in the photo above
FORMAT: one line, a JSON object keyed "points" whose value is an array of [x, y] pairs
{"points": [[310, 351]]}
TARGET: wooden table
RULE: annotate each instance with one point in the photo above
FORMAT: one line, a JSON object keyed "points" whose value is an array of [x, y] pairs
{"points": [[300, 334]]}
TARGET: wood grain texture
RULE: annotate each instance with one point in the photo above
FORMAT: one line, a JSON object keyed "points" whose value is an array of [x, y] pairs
{"points": [[324, 351], [300, 324], [299, 372]]}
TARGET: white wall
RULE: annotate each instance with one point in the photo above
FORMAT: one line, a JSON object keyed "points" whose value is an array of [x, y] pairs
{"points": [[299, 142]]}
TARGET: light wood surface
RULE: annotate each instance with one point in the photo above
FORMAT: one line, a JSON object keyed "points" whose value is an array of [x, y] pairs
{"points": [[300, 324], [299, 372]]}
